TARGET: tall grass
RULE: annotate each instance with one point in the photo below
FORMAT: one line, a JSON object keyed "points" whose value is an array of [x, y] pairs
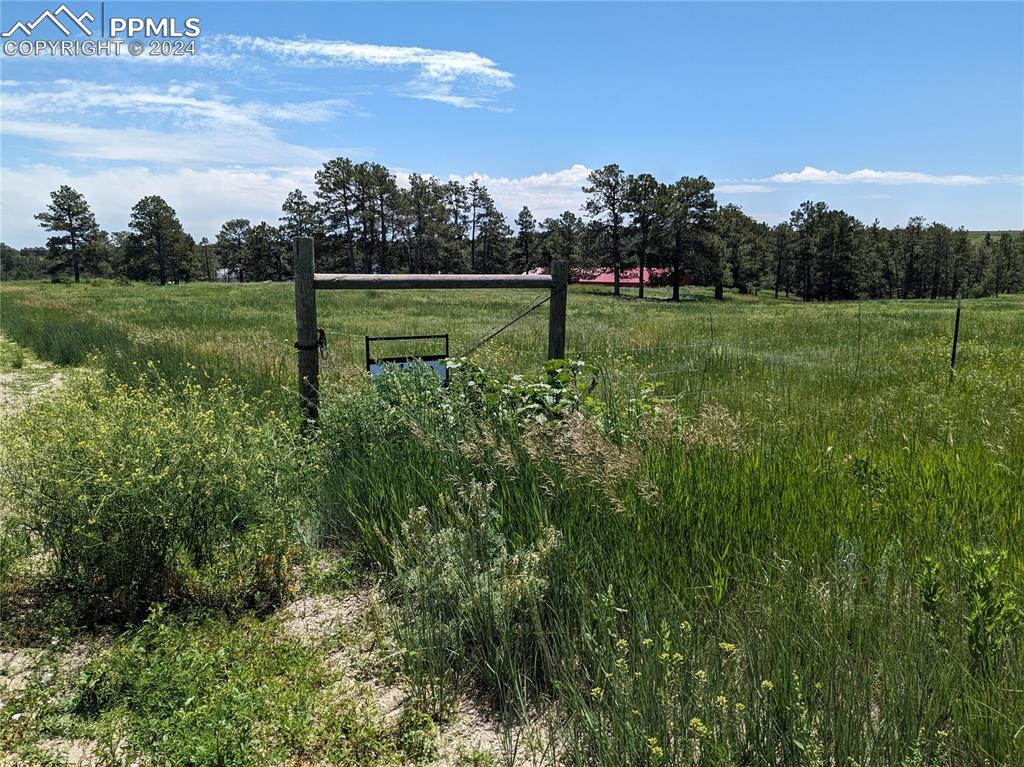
{"points": [[835, 597], [766, 533]]}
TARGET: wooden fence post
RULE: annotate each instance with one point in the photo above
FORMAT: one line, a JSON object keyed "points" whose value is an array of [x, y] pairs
{"points": [[305, 328], [556, 309]]}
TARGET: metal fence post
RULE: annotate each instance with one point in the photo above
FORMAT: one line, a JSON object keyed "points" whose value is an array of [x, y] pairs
{"points": [[956, 337], [305, 328]]}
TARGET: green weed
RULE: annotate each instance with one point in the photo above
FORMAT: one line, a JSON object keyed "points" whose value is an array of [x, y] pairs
{"points": [[208, 692], [148, 493]]}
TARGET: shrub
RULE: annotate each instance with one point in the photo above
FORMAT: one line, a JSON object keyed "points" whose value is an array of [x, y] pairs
{"points": [[148, 493], [470, 598]]}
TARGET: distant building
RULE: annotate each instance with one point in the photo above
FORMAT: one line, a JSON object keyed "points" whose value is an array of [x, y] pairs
{"points": [[630, 278]]}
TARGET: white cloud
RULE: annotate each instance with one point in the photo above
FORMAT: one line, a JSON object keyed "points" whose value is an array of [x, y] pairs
{"points": [[545, 194], [184, 103], [300, 111], [439, 73], [742, 188], [867, 176], [78, 97], [436, 64], [169, 124], [255, 144], [203, 199]]}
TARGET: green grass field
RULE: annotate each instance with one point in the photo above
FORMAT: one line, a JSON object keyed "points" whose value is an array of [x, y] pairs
{"points": [[754, 532]]}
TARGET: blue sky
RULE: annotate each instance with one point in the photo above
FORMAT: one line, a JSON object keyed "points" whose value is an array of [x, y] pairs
{"points": [[884, 110]]}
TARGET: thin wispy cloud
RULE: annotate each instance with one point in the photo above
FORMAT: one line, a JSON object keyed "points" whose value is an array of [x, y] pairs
{"points": [[168, 124], [184, 103], [462, 79], [258, 146], [743, 188], [810, 175]]}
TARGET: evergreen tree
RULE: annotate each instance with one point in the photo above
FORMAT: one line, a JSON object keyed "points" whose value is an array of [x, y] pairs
{"points": [[644, 201], [604, 204], [781, 247], [336, 201], [300, 217], [267, 252], [690, 208], [161, 244], [563, 239], [232, 246], [526, 225], [68, 214], [208, 261]]}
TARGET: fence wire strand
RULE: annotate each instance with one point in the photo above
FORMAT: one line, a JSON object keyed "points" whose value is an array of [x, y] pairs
{"points": [[534, 306]]}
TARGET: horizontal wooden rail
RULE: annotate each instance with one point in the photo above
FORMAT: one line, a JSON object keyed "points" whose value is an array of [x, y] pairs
{"points": [[310, 339], [429, 281]]}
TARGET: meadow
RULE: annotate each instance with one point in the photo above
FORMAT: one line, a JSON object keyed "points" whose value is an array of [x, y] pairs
{"points": [[754, 532]]}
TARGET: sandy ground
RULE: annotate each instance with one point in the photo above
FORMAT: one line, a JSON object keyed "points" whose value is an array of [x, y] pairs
{"points": [[23, 378], [349, 629]]}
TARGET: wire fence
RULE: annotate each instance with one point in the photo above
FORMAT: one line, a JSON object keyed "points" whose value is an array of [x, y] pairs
{"points": [[659, 361], [708, 352]]}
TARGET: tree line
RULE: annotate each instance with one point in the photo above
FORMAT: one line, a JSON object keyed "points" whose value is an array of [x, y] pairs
{"points": [[362, 219]]}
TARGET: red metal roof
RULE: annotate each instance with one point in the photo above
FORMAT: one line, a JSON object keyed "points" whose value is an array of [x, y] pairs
{"points": [[628, 278]]}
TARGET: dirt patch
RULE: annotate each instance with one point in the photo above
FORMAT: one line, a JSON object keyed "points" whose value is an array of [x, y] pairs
{"points": [[349, 629], [72, 751], [16, 668], [314, 618], [352, 630], [474, 730], [23, 378]]}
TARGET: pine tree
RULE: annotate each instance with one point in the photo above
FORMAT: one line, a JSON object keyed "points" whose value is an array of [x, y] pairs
{"points": [[160, 240], [232, 246], [643, 200], [605, 204], [526, 225], [690, 208], [69, 214]]}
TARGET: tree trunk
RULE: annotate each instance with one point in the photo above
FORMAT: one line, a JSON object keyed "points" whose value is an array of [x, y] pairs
{"points": [[643, 263], [615, 263], [472, 241], [676, 266]]}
